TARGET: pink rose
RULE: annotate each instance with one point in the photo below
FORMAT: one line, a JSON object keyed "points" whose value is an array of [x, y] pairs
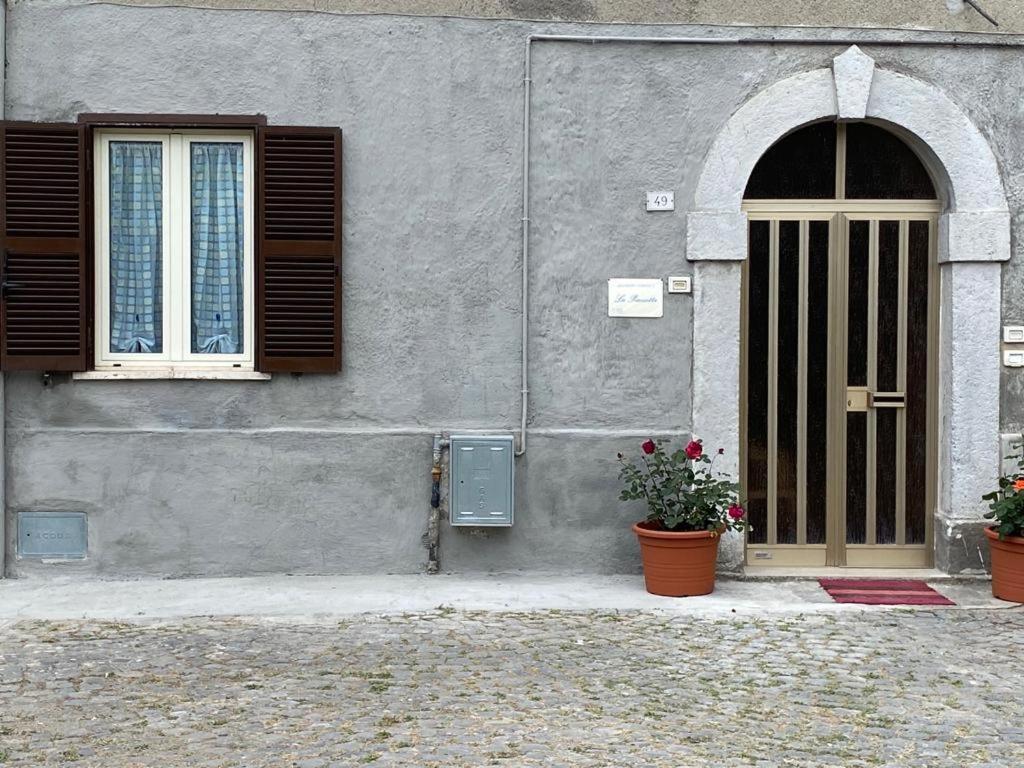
{"points": [[736, 512], [648, 447], [694, 450]]}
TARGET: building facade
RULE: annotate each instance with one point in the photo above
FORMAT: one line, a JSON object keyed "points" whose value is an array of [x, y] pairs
{"points": [[846, 202]]}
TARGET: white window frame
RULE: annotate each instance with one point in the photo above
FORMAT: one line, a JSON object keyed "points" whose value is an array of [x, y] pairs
{"points": [[176, 360]]}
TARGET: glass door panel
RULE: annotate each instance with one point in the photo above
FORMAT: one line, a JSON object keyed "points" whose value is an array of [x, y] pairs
{"points": [[918, 333], [757, 340], [817, 382], [787, 404], [887, 317]]}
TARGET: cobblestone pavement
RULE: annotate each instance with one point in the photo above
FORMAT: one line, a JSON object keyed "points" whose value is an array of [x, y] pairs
{"points": [[445, 688]]}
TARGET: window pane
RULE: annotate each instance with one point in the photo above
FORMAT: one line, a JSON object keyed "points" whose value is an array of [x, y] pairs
{"points": [[217, 248], [880, 166], [856, 477], [817, 380], [757, 381], [801, 165], [136, 246], [917, 381], [857, 345], [787, 393]]}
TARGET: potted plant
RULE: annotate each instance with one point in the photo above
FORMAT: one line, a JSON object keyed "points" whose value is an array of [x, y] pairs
{"points": [[689, 507], [1006, 534]]}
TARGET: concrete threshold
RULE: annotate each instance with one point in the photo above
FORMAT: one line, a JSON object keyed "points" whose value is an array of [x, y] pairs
{"points": [[323, 597], [776, 573]]}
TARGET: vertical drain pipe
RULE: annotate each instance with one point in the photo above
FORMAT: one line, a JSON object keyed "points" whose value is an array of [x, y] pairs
{"points": [[524, 389], [525, 216], [433, 535]]}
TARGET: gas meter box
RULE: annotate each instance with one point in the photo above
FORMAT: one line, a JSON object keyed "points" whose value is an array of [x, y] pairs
{"points": [[482, 476]]}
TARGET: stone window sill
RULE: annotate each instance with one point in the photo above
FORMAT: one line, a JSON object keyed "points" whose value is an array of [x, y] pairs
{"points": [[198, 374]]}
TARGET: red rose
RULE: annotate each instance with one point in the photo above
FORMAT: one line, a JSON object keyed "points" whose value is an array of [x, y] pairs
{"points": [[648, 447], [694, 450], [736, 512]]}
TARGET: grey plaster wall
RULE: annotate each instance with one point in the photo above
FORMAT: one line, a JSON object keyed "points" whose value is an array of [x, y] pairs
{"points": [[953, 15], [331, 473]]}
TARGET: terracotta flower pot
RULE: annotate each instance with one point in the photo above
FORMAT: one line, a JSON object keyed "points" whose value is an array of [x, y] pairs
{"points": [[677, 564], [1007, 566]]}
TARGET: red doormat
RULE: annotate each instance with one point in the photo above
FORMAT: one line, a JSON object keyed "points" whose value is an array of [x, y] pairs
{"points": [[883, 592]]}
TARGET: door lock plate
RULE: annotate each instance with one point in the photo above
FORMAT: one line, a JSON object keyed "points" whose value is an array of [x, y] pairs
{"points": [[860, 399], [856, 399]]}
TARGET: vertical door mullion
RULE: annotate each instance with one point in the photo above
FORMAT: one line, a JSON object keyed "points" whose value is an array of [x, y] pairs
{"points": [[870, 533], [835, 523], [801, 388], [773, 381], [901, 383]]}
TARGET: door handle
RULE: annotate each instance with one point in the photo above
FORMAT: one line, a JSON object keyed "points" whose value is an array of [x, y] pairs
{"points": [[887, 399]]}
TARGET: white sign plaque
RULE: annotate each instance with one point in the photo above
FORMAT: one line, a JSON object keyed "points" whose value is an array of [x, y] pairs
{"points": [[635, 297], [661, 201]]}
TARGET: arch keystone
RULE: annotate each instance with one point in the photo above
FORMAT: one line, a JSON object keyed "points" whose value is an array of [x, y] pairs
{"points": [[852, 72]]}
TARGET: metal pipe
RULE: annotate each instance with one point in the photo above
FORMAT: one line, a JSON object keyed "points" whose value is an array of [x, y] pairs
{"points": [[524, 388], [949, 40], [525, 219], [433, 534]]}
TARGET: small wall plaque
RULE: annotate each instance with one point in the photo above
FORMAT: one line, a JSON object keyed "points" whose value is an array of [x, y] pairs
{"points": [[661, 201], [635, 297], [52, 535]]}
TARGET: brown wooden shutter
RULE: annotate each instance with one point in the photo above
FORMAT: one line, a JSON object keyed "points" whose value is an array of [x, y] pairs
{"points": [[298, 281], [43, 227]]}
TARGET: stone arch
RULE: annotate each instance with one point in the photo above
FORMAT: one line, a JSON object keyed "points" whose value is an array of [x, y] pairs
{"points": [[974, 238]]}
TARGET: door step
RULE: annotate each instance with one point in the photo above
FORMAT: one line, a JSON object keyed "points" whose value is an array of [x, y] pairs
{"points": [[782, 573]]}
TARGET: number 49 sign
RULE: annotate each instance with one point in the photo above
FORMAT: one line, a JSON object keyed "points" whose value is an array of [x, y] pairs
{"points": [[661, 201]]}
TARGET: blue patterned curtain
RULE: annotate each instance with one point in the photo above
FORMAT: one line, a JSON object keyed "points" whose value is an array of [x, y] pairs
{"points": [[136, 220], [217, 248]]}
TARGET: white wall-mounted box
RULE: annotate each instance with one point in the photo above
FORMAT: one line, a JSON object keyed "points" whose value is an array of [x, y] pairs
{"points": [[680, 284], [1013, 334], [1013, 358]]}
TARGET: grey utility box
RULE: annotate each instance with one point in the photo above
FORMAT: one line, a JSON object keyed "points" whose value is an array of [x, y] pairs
{"points": [[481, 480], [58, 535]]}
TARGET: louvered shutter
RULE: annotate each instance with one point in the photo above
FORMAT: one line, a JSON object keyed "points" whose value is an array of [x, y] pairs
{"points": [[299, 262], [43, 295]]}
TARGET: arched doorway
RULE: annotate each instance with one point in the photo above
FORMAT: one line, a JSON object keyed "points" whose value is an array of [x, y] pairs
{"points": [[973, 240], [839, 327]]}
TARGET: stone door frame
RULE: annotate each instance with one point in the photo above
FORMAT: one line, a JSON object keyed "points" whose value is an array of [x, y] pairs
{"points": [[974, 240]]}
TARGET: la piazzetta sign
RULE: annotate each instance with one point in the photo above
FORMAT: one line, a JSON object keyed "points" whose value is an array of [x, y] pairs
{"points": [[635, 297]]}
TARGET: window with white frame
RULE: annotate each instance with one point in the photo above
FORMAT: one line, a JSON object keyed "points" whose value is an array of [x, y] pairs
{"points": [[174, 250]]}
